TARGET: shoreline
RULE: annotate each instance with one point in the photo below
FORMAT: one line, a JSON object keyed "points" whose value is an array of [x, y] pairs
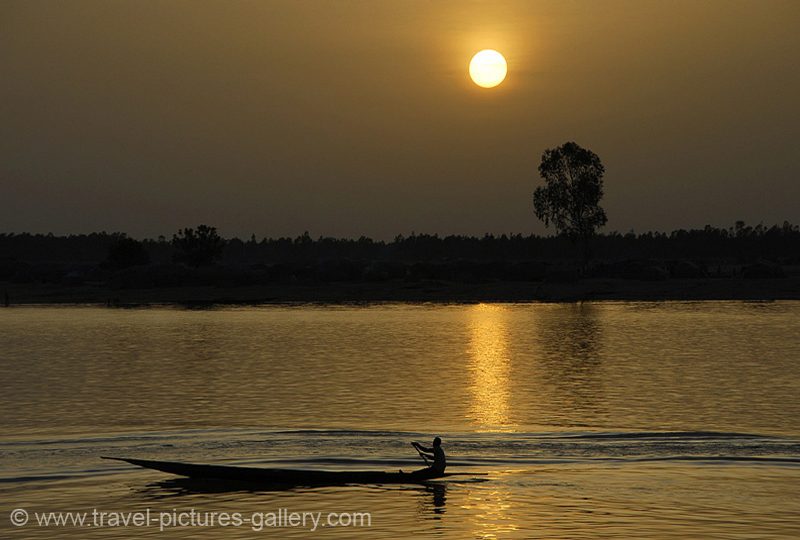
{"points": [[438, 292]]}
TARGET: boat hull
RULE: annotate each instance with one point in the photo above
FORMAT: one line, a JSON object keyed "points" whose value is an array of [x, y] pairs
{"points": [[289, 477]]}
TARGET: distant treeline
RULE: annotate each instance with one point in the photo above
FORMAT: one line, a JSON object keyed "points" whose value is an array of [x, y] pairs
{"points": [[201, 258], [740, 243]]}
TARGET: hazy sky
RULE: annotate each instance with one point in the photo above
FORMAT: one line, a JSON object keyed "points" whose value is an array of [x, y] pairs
{"points": [[349, 118]]}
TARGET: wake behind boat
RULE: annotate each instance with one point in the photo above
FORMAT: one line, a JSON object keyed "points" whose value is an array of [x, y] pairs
{"points": [[285, 477]]}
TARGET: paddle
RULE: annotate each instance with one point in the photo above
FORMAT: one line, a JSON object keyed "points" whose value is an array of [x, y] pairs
{"points": [[414, 444]]}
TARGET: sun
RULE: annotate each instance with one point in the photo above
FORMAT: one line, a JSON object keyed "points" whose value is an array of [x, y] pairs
{"points": [[488, 68]]}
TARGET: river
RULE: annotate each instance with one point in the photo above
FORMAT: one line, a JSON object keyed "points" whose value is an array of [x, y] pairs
{"points": [[590, 420]]}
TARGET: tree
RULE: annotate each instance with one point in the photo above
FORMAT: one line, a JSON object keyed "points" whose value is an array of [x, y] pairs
{"points": [[570, 198], [125, 252], [198, 248]]}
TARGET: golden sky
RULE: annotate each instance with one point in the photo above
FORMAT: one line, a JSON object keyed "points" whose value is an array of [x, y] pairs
{"points": [[348, 118]]}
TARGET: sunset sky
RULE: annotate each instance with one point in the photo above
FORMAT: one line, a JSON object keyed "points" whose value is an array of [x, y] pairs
{"points": [[350, 118]]}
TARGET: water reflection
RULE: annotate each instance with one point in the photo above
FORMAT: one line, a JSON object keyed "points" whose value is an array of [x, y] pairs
{"points": [[490, 365], [433, 500], [186, 487], [492, 513], [569, 359]]}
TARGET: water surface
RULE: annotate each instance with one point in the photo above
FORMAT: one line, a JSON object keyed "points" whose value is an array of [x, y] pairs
{"points": [[590, 420]]}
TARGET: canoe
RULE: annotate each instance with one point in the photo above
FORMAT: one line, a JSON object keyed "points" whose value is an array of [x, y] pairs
{"points": [[287, 477]]}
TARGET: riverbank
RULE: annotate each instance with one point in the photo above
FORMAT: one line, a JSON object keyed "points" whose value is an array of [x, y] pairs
{"points": [[787, 288]]}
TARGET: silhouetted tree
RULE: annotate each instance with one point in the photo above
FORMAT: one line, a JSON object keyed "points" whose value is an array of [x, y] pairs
{"points": [[570, 198], [127, 252], [198, 248]]}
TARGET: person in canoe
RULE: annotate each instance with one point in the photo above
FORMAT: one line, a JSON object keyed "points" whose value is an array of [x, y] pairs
{"points": [[435, 454]]}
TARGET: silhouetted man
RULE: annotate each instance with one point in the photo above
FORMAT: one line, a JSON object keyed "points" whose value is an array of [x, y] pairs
{"points": [[436, 454]]}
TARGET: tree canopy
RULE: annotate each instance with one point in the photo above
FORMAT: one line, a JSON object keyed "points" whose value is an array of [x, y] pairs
{"points": [[198, 248], [570, 197]]}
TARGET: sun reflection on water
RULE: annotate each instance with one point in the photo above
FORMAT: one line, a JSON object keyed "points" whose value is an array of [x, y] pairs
{"points": [[490, 366], [491, 512]]}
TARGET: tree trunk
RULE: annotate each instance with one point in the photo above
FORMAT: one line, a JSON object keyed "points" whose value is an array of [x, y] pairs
{"points": [[587, 253]]}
